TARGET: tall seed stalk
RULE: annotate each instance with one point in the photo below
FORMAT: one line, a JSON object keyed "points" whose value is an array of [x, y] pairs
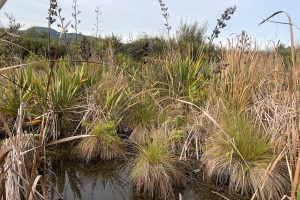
{"points": [[221, 23], [166, 15], [61, 25], [51, 13], [98, 21], [293, 92], [76, 20]]}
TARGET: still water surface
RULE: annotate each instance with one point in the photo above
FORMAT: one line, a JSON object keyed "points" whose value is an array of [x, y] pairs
{"points": [[107, 181]]}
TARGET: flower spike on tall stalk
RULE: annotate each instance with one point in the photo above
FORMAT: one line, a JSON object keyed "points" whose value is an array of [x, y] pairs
{"points": [[166, 15], [221, 23]]}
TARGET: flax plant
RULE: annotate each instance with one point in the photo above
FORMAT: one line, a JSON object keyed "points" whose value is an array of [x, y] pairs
{"points": [[184, 79], [19, 89]]}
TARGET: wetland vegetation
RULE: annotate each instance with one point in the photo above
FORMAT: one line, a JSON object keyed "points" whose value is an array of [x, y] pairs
{"points": [[158, 116]]}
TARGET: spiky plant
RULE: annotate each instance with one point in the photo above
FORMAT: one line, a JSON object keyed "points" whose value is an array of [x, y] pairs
{"points": [[144, 112], [19, 89], [242, 157], [156, 170], [184, 78], [103, 143], [66, 86]]}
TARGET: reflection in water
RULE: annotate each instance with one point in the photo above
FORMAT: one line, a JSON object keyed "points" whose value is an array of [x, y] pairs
{"points": [[104, 180], [99, 180]]}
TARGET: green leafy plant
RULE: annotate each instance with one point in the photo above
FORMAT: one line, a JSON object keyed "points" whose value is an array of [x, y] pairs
{"points": [[66, 86], [19, 89], [185, 79]]}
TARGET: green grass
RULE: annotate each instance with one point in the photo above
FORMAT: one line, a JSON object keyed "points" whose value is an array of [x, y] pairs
{"points": [[156, 170], [103, 144], [240, 157]]}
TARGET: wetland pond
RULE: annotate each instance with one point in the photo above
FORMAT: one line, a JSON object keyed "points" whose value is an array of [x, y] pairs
{"points": [[108, 180]]}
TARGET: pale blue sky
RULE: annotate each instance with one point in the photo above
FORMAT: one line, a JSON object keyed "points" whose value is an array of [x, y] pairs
{"points": [[123, 17]]}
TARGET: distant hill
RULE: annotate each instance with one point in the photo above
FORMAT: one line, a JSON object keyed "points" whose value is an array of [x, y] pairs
{"points": [[54, 33]]}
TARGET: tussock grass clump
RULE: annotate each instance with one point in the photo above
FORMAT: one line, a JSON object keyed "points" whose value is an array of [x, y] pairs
{"points": [[102, 144], [156, 170], [242, 158]]}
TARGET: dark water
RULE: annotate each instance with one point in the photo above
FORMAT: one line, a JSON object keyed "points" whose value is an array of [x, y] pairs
{"points": [[107, 181]]}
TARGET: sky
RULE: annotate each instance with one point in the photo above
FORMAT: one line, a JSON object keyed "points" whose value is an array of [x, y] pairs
{"points": [[135, 17]]}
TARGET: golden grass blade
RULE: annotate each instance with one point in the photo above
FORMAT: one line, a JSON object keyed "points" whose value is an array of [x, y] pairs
{"points": [[218, 125], [67, 139], [7, 33], [294, 141], [19, 46], [2, 2], [34, 187], [44, 186], [291, 32], [17, 66], [289, 169], [292, 39], [296, 178], [267, 172], [285, 23], [220, 195], [298, 191], [3, 153]]}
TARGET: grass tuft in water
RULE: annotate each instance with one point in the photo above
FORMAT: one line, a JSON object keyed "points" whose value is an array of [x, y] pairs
{"points": [[241, 158], [103, 143], [156, 170]]}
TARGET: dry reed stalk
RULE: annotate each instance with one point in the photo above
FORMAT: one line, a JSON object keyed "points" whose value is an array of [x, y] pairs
{"points": [[3, 154], [2, 2], [18, 165], [294, 141], [35, 162], [291, 32], [296, 178], [66, 140], [18, 66], [21, 47], [267, 173], [217, 125]]}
